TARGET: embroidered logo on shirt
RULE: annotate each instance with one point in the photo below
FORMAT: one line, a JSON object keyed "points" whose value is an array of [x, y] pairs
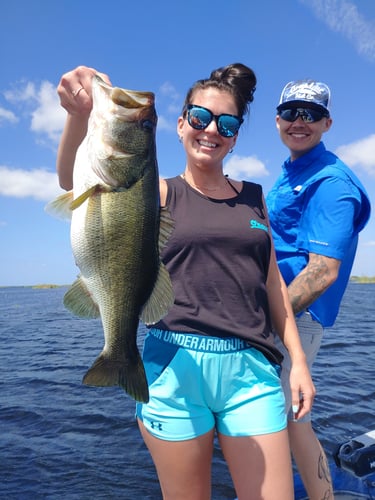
{"points": [[319, 242], [254, 224]]}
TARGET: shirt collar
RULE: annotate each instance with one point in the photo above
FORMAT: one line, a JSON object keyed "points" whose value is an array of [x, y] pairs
{"points": [[307, 158]]}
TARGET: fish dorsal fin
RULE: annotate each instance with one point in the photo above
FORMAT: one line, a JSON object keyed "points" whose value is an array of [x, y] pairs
{"points": [[79, 301], [162, 296], [160, 300], [166, 227]]}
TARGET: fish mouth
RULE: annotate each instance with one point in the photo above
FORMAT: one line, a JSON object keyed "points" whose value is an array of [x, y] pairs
{"points": [[132, 99], [123, 127], [128, 105], [129, 99]]}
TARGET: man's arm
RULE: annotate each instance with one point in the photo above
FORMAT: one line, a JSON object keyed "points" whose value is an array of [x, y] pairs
{"points": [[319, 274]]}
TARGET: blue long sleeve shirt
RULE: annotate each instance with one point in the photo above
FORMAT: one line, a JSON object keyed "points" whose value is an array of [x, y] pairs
{"points": [[318, 205]]}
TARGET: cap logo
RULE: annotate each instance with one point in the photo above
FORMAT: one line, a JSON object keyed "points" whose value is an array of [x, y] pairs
{"points": [[306, 90]]}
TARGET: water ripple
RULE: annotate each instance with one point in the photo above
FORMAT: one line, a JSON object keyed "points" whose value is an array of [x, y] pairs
{"points": [[62, 440]]}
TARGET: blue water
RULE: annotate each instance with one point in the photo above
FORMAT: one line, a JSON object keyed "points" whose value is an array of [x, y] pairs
{"points": [[61, 439]]}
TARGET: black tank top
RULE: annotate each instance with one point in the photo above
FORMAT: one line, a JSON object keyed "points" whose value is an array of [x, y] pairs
{"points": [[218, 258]]}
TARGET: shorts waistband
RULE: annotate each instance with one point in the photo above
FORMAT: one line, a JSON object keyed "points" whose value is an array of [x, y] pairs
{"points": [[201, 343]]}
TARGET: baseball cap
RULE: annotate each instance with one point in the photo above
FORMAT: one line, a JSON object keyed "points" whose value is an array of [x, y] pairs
{"points": [[305, 92]]}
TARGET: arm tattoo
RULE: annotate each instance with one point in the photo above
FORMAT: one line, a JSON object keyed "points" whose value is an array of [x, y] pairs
{"points": [[325, 475], [310, 283]]}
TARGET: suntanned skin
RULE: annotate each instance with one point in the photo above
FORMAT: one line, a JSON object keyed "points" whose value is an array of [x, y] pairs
{"points": [[318, 275], [306, 288], [258, 464]]}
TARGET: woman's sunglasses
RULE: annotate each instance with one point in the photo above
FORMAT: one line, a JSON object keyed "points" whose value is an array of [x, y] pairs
{"points": [[307, 115], [199, 118]]}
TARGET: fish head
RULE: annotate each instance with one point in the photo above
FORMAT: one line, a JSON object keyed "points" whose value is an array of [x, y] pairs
{"points": [[121, 133]]}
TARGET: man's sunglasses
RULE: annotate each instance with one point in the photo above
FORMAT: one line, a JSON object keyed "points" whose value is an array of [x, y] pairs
{"points": [[200, 118], [307, 115]]}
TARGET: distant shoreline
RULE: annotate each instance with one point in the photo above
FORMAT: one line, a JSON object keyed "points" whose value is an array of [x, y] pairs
{"points": [[48, 286], [43, 286], [362, 279]]}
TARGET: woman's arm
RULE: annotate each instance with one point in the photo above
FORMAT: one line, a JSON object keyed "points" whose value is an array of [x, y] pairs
{"points": [[73, 134], [302, 387], [75, 95]]}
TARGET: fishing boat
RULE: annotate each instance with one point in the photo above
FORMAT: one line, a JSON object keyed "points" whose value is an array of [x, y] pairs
{"points": [[352, 470]]}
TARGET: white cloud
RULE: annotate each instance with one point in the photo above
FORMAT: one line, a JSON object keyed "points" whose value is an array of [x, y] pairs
{"points": [[42, 105], [359, 154], [23, 93], [170, 99], [167, 89], [6, 115], [38, 184], [49, 116], [240, 167], [343, 17], [166, 124]]}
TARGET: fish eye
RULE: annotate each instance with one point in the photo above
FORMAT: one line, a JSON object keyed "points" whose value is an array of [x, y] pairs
{"points": [[147, 124]]}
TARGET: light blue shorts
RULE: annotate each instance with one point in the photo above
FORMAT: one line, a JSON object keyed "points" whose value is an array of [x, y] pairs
{"points": [[311, 333], [198, 383]]}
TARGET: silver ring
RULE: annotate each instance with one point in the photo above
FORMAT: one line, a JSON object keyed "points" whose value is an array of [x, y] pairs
{"points": [[76, 92]]}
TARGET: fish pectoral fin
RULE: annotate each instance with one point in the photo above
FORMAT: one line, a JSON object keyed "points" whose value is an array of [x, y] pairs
{"points": [[166, 227], [130, 375], [96, 189], [160, 300], [64, 204], [60, 207], [80, 302]]}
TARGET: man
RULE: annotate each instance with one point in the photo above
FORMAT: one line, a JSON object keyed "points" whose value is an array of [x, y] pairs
{"points": [[317, 207]]}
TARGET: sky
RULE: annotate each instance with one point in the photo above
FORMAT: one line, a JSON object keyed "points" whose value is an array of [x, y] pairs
{"points": [[164, 47]]}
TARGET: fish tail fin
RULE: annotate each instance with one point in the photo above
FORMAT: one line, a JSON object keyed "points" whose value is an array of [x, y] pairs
{"points": [[133, 380], [131, 376]]}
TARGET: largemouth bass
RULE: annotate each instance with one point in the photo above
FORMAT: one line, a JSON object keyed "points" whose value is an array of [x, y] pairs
{"points": [[117, 231]]}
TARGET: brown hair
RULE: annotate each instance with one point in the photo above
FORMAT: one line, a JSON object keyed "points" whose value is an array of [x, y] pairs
{"points": [[236, 79]]}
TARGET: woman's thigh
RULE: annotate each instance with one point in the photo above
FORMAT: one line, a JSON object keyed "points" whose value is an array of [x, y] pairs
{"points": [[260, 466], [183, 467]]}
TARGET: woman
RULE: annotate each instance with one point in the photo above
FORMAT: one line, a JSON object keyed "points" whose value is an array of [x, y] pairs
{"points": [[211, 363]]}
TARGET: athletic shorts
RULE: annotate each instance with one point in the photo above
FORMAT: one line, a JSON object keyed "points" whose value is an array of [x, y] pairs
{"points": [[198, 383], [311, 333]]}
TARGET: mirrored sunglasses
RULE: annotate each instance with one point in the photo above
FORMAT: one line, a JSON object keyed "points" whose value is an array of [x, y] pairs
{"points": [[199, 118], [307, 115]]}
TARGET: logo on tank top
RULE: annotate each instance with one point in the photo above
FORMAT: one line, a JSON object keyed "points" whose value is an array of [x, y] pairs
{"points": [[254, 224]]}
